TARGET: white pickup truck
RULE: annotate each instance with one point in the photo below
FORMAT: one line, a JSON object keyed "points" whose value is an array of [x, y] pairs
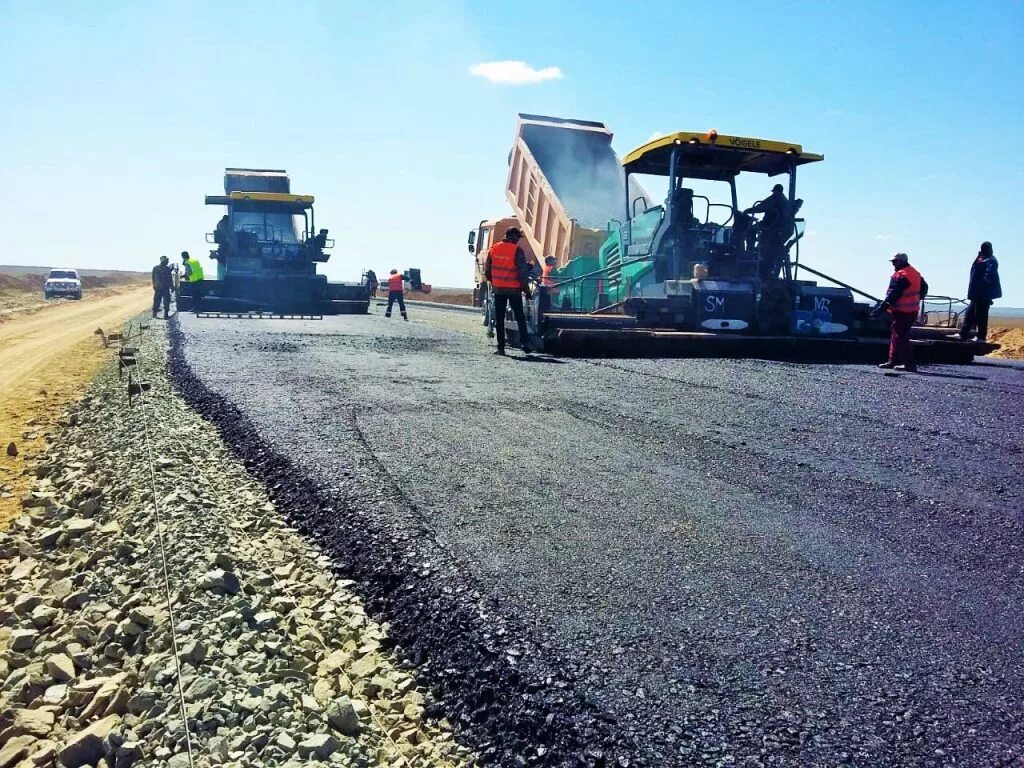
{"points": [[63, 283]]}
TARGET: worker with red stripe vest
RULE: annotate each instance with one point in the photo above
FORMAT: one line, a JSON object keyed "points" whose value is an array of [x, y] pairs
{"points": [[903, 303], [395, 293], [506, 271]]}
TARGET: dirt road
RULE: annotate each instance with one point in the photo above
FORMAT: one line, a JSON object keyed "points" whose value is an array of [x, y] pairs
{"points": [[47, 359]]}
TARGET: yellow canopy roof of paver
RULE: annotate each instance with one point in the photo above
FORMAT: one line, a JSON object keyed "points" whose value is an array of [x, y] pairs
{"points": [[716, 157], [272, 197]]}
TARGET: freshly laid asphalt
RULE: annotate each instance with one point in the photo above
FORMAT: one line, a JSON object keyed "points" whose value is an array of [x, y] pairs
{"points": [[653, 562]]}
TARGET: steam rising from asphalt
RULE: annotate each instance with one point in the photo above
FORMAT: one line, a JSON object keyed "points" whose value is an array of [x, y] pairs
{"points": [[583, 171]]}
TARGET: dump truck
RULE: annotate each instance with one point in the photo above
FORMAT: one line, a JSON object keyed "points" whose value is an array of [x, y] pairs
{"points": [[700, 274], [563, 177], [267, 251]]}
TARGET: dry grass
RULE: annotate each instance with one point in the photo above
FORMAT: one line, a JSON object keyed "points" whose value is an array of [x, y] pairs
{"points": [[459, 296]]}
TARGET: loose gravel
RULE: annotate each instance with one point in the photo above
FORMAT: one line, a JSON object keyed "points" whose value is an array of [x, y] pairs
{"points": [[679, 562], [277, 662]]}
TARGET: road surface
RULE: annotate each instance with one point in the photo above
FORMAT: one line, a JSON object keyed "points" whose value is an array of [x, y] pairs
{"points": [[654, 562], [48, 358]]}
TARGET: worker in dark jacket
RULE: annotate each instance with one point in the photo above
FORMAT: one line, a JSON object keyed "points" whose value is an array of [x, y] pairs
{"points": [[903, 303], [508, 274], [775, 228], [162, 283], [983, 289]]}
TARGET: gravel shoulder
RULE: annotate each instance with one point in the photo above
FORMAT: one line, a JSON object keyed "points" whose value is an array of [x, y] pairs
{"points": [[155, 604], [717, 562]]}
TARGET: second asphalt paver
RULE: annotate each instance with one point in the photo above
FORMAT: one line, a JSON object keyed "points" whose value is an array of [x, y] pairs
{"points": [[716, 562]]}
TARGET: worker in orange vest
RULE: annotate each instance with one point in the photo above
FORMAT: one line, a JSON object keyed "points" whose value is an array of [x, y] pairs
{"points": [[506, 271], [546, 270], [903, 303], [395, 293]]}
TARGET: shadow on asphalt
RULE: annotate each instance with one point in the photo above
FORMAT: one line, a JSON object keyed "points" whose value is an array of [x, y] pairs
{"points": [[535, 359], [951, 376]]}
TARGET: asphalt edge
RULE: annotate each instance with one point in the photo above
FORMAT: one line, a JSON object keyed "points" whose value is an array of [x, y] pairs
{"points": [[526, 712]]}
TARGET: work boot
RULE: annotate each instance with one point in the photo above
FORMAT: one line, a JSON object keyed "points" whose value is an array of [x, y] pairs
{"points": [[166, 316], [911, 368], [887, 364], [500, 351], [154, 315], [387, 314], [406, 318]]}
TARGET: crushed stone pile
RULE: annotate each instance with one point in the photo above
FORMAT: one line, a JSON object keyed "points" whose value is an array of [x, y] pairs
{"points": [[272, 660]]}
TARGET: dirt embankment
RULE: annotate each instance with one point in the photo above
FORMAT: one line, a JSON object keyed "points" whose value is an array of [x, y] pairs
{"points": [[48, 356], [462, 297], [1011, 341]]}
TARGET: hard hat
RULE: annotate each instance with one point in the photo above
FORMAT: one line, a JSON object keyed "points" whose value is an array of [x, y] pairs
{"points": [[394, 271], [777, 188], [900, 257], [164, 259]]}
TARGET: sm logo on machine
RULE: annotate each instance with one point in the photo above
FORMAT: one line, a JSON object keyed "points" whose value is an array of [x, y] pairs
{"points": [[822, 304], [714, 305], [715, 314]]}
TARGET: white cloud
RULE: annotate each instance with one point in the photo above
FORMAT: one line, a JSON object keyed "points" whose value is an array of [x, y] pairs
{"points": [[655, 135], [884, 237], [514, 72]]}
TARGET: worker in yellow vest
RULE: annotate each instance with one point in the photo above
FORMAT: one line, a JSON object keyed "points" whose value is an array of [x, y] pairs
{"points": [[193, 269]]}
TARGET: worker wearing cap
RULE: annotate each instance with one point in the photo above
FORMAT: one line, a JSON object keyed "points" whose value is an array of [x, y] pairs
{"points": [[903, 303], [396, 293], [508, 274], [162, 282]]}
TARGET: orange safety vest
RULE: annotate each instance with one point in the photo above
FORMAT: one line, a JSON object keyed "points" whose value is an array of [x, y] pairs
{"points": [[504, 275], [395, 283], [545, 278], [910, 301]]}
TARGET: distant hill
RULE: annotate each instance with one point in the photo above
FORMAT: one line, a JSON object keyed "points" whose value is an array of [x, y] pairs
{"points": [[998, 311], [18, 269]]}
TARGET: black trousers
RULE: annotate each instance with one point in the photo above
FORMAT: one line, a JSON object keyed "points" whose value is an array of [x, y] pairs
{"points": [[976, 315], [161, 295], [502, 301], [394, 296]]}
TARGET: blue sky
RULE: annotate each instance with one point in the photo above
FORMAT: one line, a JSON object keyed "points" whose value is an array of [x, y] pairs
{"points": [[116, 118]]}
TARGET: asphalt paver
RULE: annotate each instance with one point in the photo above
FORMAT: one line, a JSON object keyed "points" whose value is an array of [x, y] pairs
{"points": [[654, 562]]}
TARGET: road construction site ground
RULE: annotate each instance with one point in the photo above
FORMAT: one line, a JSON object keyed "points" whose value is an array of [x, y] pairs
{"points": [[653, 562]]}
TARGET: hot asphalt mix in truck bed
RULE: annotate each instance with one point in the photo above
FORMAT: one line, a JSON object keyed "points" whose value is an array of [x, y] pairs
{"points": [[652, 562]]}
